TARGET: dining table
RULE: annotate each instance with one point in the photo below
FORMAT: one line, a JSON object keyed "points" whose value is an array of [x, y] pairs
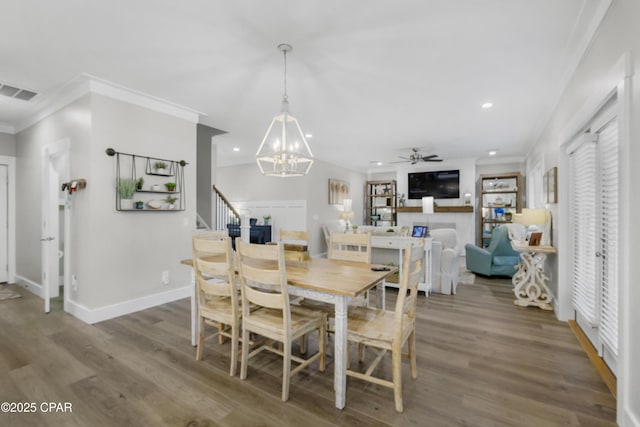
{"points": [[330, 281]]}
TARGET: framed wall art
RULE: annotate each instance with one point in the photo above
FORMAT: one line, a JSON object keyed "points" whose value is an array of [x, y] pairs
{"points": [[338, 191], [551, 181]]}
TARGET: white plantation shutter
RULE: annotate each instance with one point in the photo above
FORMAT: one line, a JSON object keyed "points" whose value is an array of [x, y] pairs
{"points": [[608, 224], [582, 183]]}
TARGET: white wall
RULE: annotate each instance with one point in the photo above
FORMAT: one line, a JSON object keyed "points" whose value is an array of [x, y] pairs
{"points": [[618, 34], [245, 183], [117, 256], [7, 144]]}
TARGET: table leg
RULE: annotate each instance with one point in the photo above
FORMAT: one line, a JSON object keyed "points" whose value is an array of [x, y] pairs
{"points": [[340, 353], [194, 310], [529, 282]]}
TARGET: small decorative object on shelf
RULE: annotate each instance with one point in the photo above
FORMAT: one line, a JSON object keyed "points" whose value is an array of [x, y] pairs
{"points": [[266, 219], [139, 183], [160, 167], [126, 190], [140, 204], [171, 186], [171, 202], [401, 200]]}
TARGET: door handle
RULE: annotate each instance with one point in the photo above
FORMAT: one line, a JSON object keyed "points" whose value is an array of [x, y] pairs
{"points": [[47, 239]]}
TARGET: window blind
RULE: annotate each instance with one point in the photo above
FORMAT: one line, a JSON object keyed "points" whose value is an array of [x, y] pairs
{"points": [[609, 226], [582, 183]]}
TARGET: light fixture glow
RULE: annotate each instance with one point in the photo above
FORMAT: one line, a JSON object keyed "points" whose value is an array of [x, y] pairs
{"points": [[236, 149], [493, 152], [487, 105], [379, 163], [308, 135], [284, 150]]}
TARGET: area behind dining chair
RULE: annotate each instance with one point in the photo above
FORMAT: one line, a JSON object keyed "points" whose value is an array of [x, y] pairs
{"points": [[264, 284], [218, 301], [391, 330]]}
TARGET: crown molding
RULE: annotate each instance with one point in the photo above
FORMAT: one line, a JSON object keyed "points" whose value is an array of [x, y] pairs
{"points": [[7, 128], [500, 160], [87, 83]]}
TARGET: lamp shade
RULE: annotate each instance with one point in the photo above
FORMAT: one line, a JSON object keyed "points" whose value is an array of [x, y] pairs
{"points": [[427, 205], [533, 217], [348, 205]]}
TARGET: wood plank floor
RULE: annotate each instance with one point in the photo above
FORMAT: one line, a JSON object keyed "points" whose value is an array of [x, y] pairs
{"points": [[481, 362]]}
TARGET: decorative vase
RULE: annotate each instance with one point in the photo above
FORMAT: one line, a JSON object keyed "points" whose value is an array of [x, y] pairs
{"points": [[126, 204]]}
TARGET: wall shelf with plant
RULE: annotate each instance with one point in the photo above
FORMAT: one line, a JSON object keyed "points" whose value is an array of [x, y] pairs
{"points": [[129, 185]]}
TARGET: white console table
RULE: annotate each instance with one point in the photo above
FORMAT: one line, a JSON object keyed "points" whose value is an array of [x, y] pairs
{"points": [[530, 279], [398, 244]]}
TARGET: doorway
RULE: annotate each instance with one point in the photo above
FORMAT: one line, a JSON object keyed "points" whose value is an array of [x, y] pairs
{"points": [[55, 222], [4, 223]]}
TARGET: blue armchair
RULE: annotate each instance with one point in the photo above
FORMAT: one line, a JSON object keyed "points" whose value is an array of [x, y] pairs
{"points": [[499, 259]]}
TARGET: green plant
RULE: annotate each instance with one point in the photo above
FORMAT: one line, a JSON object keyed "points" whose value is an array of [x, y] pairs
{"points": [[160, 165], [170, 199], [170, 186], [139, 204], [139, 183], [126, 187], [266, 217]]}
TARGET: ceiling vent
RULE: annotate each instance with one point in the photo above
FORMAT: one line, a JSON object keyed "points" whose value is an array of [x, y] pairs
{"points": [[16, 92]]}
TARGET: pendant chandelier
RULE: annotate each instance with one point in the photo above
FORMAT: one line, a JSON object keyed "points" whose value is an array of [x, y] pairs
{"points": [[284, 150]]}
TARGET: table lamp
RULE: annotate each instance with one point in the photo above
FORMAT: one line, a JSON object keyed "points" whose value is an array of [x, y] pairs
{"points": [[532, 218], [427, 209], [347, 213]]}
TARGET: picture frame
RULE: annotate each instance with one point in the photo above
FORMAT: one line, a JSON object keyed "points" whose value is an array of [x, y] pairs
{"points": [[338, 191], [535, 238], [550, 185]]}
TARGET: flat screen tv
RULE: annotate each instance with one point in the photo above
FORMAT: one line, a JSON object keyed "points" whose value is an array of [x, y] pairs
{"points": [[439, 184]]}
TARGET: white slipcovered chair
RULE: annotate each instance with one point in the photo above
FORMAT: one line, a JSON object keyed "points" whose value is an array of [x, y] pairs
{"points": [[444, 260]]}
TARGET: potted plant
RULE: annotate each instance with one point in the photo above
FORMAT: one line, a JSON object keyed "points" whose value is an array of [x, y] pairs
{"points": [[126, 190], [139, 204], [171, 186], [171, 201], [266, 219], [160, 167], [139, 183]]}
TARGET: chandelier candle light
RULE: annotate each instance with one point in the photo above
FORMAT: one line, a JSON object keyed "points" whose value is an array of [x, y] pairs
{"points": [[284, 150]]}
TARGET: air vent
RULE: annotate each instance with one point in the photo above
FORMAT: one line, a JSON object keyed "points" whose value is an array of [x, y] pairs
{"points": [[16, 92]]}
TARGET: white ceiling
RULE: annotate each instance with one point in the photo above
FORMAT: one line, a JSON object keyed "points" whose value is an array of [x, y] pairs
{"points": [[368, 78]]}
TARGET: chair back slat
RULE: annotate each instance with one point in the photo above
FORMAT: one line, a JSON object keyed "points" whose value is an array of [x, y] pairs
{"points": [[263, 278], [295, 236], [350, 247], [411, 274], [213, 267]]}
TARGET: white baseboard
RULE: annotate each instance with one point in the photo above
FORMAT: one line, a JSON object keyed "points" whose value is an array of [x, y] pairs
{"points": [[31, 286], [630, 420], [95, 315]]}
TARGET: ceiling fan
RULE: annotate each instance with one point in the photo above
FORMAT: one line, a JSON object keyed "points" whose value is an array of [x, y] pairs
{"points": [[416, 157]]}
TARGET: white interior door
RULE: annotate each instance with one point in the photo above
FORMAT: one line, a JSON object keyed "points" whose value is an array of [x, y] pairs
{"points": [[55, 167], [4, 223]]}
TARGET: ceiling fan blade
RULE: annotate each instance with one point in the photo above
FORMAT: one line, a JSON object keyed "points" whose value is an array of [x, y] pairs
{"points": [[432, 160], [401, 161], [425, 158]]}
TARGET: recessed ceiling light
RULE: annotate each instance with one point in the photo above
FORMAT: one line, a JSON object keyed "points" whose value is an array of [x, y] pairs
{"points": [[487, 105], [379, 163], [493, 152], [236, 149], [308, 135]]}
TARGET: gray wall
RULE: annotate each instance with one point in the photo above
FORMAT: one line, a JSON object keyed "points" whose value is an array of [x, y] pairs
{"points": [[7, 144], [205, 168], [245, 183], [117, 256], [619, 33]]}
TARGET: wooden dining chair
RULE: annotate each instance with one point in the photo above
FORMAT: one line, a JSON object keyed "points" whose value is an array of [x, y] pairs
{"points": [[296, 245], [350, 247], [218, 300], [391, 330], [264, 283]]}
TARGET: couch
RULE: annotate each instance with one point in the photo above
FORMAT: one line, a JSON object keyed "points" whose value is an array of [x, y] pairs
{"points": [[444, 260], [499, 259]]}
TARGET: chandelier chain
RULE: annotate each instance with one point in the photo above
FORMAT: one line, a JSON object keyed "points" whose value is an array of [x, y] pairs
{"points": [[284, 96]]}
